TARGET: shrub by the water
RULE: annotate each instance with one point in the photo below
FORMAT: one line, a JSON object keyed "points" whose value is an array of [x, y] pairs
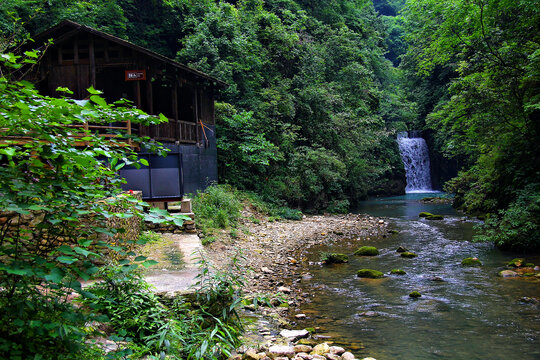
{"points": [[218, 207]]}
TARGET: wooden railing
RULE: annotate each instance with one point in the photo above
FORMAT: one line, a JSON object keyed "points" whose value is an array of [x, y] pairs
{"points": [[172, 131]]}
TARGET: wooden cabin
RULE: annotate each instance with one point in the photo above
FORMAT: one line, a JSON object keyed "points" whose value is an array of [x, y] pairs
{"points": [[81, 57]]}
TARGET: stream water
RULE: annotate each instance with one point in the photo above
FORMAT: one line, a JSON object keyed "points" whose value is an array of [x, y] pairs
{"points": [[464, 313]]}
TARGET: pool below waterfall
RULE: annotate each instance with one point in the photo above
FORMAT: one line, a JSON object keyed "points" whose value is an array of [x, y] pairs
{"points": [[464, 312]]}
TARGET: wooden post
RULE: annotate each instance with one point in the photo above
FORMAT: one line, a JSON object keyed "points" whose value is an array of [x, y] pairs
{"points": [[197, 114], [174, 128], [92, 58], [149, 93]]}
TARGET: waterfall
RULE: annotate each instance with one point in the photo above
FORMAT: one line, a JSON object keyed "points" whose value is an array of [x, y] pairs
{"points": [[415, 157]]}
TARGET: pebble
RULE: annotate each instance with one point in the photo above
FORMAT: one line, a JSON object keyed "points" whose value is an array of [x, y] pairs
{"points": [[294, 334], [321, 349], [302, 349], [338, 350], [300, 316], [266, 270], [331, 356], [347, 356], [276, 351], [284, 289]]}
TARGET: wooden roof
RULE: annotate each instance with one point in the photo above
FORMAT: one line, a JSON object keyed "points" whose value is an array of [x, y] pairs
{"points": [[67, 29]]}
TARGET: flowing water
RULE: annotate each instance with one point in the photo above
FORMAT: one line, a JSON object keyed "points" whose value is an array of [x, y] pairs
{"points": [[464, 313]]}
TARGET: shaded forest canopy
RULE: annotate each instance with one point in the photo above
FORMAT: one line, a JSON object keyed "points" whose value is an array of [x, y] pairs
{"points": [[319, 89]]}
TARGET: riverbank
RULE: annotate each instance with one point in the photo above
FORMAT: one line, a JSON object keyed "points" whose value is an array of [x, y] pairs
{"points": [[273, 268]]}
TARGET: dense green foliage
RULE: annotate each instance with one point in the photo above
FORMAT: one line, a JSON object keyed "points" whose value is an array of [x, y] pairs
{"points": [[481, 61]]}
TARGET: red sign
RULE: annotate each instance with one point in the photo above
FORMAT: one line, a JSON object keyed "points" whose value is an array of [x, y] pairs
{"points": [[134, 75]]}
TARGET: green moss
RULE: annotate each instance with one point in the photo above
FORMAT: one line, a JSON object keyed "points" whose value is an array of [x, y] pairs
{"points": [[424, 214], [518, 262], [471, 262], [415, 295], [334, 258], [368, 273], [397, 272], [367, 251], [434, 217], [408, 254]]}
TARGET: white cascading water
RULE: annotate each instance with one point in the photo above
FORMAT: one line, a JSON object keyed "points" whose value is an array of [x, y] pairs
{"points": [[415, 157]]}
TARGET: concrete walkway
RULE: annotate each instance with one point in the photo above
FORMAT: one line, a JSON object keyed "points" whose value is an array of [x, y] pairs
{"points": [[178, 280]]}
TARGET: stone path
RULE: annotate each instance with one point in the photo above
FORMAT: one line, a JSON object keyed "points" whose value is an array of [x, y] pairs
{"points": [[178, 280]]}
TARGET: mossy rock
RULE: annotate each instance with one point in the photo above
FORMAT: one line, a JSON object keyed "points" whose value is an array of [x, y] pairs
{"points": [[424, 214], [368, 273], [367, 251], [434, 217], [415, 295], [335, 258], [402, 249], [515, 263], [471, 262], [397, 272], [408, 255]]}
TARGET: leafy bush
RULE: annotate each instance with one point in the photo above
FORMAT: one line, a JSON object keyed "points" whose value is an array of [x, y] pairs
{"points": [[518, 227], [217, 207], [125, 298]]}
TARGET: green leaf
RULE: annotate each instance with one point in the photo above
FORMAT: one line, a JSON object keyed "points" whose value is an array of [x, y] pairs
{"points": [[83, 252], [149, 263], [98, 100], [140, 258], [93, 91], [143, 161], [56, 275], [66, 259]]}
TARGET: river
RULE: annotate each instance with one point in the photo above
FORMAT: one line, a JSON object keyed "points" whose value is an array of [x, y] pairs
{"points": [[464, 312]]}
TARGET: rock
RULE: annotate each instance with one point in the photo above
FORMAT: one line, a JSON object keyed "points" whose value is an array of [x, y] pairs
{"points": [[300, 316], [335, 258], [318, 357], [302, 349], [408, 254], [401, 249], [303, 356], [369, 273], [281, 358], [368, 313], [276, 351], [309, 342], [437, 278], [367, 251], [381, 221], [321, 349], [415, 295], [529, 300], [266, 270], [369, 358], [338, 350], [252, 355], [515, 263], [347, 356], [397, 272], [235, 357], [471, 261], [331, 356], [294, 334], [434, 217], [508, 273], [284, 289], [424, 214]]}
